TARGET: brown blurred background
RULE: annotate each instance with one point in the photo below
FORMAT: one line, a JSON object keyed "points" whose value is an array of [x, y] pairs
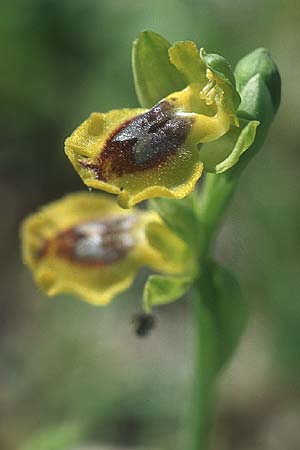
{"points": [[73, 375]]}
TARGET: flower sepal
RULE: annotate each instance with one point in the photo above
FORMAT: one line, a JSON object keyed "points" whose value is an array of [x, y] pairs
{"points": [[155, 77]]}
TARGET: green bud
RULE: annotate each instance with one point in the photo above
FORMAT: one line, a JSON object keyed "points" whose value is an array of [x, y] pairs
{"points": [[257, 103], [260, 62]]}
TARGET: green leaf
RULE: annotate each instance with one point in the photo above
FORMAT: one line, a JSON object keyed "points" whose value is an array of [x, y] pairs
{"points": [[180, 217], [221, 155], [161, 290], [155, 76], [230, 311], [260, 62]]}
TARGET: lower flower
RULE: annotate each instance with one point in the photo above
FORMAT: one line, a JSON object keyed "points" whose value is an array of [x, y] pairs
{"points": [[85, 244]]}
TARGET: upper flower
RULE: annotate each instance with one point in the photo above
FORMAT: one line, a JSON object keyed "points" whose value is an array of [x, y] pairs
{"points": [[143, 153]]}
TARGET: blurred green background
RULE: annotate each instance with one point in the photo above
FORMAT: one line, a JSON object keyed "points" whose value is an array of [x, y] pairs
{"points": [[73, 375]]}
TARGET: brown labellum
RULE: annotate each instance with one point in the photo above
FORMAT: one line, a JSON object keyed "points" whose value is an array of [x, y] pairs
{"points": [[97, 242], [142, 143]]}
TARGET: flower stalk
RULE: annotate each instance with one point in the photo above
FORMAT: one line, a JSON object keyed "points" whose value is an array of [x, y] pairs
{"points": [[215, 196], [202, 408]]}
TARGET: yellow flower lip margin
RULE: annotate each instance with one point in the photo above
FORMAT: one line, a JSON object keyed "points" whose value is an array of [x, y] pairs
{"points": [[139, 154], [115, 152], [86, 245]]}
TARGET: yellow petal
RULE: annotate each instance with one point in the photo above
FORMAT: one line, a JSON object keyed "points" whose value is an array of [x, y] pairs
{"points": [[185, 57], [85, 244], [209, 121]]}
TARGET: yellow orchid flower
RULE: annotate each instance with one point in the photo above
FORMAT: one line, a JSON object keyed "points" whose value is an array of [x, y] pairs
{"points": [[85, 244], [140, 153]]}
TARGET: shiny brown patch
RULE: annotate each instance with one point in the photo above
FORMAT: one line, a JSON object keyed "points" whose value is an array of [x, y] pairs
{"points": [[96, 242], [141, 143]]}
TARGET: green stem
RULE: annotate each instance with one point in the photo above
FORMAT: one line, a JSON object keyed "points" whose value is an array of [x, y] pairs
{"points": [[215, 196], [205, 365]]}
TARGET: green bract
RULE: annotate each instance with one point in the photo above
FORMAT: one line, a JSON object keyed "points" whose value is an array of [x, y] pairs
{"points": [[161, 290]]}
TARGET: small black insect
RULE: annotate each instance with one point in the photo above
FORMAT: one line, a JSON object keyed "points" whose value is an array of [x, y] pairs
{"points": [[143, 323]]}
